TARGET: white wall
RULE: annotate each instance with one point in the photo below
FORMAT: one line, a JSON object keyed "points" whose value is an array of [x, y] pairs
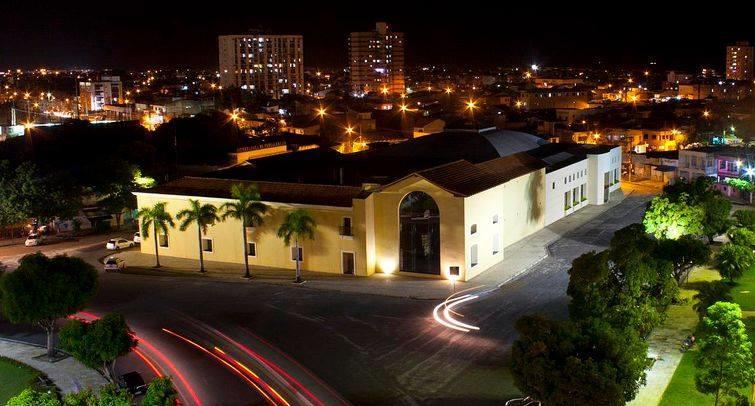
{"points": [[564, 180], [598, 166]]}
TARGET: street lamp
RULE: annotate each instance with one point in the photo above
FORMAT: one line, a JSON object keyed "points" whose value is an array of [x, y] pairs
{"points": [[321, 113], [706, 113]]}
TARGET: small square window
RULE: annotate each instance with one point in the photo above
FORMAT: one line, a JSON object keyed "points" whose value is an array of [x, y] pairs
{"points": [[294, 253], [251, 249], [473, 229], [162, 240], [207, 244], [495, 219]]}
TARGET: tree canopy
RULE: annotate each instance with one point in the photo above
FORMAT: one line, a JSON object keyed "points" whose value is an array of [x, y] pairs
{"points": [[734, 260], [42, 290], [99, 343], [724, 359], [566, 363], [670, 219]]}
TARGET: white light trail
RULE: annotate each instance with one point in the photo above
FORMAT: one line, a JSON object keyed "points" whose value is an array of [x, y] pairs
{"points": [[447, 320]]}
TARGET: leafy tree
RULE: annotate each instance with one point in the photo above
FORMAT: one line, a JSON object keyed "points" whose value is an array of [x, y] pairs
{"points": [[27, 193], [672, 219], [624, 285], [709, 294], [203, 215], [42, 290], [98, 344], [693, 192], [716, 220], [684, 253], [31, 397], [108, 395], [298, 224], [724, 360], [590, 362], [160, 392], [157, 218], [247, 208], [734, 260], [745, 218], [742, 236]]}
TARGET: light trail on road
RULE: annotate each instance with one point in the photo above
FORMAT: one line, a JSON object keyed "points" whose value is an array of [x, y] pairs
{"points": [[234, 369], [87, 316], [442, 312]]}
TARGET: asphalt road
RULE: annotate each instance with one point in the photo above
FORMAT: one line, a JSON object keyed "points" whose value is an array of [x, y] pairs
{"points": [[315, 346]]}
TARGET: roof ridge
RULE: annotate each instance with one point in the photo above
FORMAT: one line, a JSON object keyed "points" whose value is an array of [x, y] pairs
{"points": [[268, 182]]}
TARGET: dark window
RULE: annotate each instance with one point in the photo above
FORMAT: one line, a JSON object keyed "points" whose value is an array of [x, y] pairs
{"points": [[206, 245], [345, 228], [251, 249], [294, 252], [419, 235]]}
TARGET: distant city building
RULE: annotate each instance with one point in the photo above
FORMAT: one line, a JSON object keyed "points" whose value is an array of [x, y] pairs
{"points": [[271, 64], [94, 95], [376, 60], [739, 61]]}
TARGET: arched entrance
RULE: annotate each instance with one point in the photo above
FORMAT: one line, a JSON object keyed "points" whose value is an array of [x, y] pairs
{"points": [[419, 225]]}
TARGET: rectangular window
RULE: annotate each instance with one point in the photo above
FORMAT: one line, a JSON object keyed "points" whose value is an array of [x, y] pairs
{"points": [[251, 249], [495, 219], [554, 185], [162, 240], [566, 200], [582, 193], [296, 255], [496, 244], [575, 196], [207, 244], [473, 229], [473, 255], [346, 226]]}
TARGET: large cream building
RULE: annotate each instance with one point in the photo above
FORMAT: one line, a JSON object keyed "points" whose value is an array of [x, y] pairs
{"points": [[432, 206]]}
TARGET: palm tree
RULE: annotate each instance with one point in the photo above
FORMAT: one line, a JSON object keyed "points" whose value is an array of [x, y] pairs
{"points": [[298, 224], [248, 209], [709, 294], [203, 215], [159, 219]]}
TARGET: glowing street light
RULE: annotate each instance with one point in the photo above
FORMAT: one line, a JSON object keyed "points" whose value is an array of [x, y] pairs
{"points": [[404, 108], [471, 105], [449, 90], [706, 113], [534, 67]]}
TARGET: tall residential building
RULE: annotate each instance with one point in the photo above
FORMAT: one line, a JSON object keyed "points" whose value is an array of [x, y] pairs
{"points": [[376, 60], [739, 61], [271, 64], [94, 95]]}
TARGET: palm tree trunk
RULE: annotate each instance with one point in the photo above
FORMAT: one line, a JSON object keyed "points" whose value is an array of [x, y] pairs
{"points": [[298, 262], [201, 254], [157, 255], [246, 254]]}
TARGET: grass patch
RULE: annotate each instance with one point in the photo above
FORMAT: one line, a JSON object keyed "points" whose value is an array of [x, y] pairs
{"points": [[681, 390], [14, 378]]}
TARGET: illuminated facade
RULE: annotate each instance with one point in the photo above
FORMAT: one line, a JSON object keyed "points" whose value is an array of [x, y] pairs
{"points": [[380, 212], [270, 64], [376, 60], [739, 61], [94, 95]]}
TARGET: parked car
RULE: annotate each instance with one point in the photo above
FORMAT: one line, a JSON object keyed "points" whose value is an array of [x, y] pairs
{"points": [[137, 238], [114, 264], [118, 243], [132, 382], [34, 239]]}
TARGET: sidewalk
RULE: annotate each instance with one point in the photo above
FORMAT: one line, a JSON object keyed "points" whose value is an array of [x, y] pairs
{"points": [[665, 341], [518, 259], [68, 374]]}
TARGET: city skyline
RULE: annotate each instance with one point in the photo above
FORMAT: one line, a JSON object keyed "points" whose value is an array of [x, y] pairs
{"points": [[132, 39]]}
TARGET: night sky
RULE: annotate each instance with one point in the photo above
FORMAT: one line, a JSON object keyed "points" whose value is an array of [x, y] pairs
{"points": [[134, 34]]}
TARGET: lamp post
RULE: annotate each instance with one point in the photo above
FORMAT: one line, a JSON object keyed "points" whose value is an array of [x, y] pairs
{"points": [[471, 105], [321, 113], [453, 275]]}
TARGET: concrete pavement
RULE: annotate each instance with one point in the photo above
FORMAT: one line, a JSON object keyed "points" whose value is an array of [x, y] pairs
{"points": [[68, 374]]}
